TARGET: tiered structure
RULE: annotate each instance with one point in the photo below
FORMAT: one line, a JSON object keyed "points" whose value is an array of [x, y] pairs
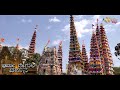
{"points": [[49, 64], [60, 55], [95, 66], [32, 44], [105, 52], [85, 58], [75, 56]]}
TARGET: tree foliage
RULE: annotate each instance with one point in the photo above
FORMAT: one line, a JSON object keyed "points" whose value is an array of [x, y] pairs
{"points": [[117, 50], [34, 59], [116, 70]]}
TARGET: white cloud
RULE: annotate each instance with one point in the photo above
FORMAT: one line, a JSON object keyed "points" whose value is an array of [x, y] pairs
{"points": [[29, 20], [88, 54], [6, 45], [109, 28], [118, 23], [84, 26], [26, 47], [48, 27], [56, 42], [23, 20], [79, 16], [80, 28], [54, 20], [26, 20], [20, 46]]}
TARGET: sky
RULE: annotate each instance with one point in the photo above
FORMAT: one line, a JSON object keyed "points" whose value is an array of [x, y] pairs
{"points": [[56, 28]]}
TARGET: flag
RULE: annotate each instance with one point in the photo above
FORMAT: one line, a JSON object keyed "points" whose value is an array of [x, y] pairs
{"points": [[36, 26], [48, 40], [103, 19], [114, 20], [18, 39], [108, 19], [92, 26], [2, 39]]}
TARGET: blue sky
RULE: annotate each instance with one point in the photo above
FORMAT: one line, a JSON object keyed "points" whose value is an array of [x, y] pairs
{"points": [[56, 28]]}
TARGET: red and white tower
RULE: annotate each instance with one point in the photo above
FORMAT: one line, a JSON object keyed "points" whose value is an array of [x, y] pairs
{"points": [[75, 56], [95, 66], [105, 52], [32, 43]]}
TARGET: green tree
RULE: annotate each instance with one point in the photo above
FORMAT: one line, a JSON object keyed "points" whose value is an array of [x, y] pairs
{"points": [[34, 59], [116, 70]]}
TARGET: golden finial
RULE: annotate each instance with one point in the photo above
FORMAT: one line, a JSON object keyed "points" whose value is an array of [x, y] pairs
{"points": [[101, 24]]}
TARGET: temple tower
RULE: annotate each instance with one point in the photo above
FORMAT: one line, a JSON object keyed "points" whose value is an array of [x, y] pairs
{"points": [[75, 55]]}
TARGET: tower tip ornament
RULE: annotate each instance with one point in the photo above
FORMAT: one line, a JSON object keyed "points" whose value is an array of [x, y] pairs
{"points": [[17, 46], [97, 21], [101, 24], [36, 27]]}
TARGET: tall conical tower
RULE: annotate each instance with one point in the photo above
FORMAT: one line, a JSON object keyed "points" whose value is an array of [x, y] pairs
{"points": [[60, 55], [106, 53], [75, 56], [32, 43], [98, 36], [85, 58], [95, 67]]}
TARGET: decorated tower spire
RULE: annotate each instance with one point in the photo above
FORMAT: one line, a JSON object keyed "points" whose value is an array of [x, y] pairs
{"points": [[17, 46], [98, 36], [75, 56], [95, 67], [97, 22], [60, 55], [98, 33], [85, 58], [106, 53], [32, 43]]}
